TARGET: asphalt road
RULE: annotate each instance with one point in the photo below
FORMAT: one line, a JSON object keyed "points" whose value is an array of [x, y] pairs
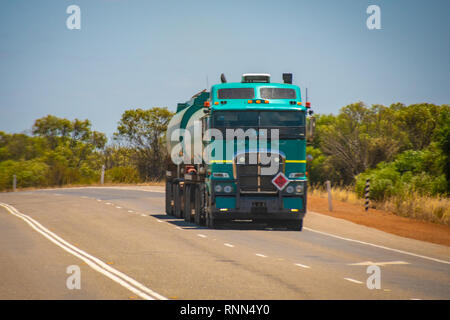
{"points": [[127, 248]]}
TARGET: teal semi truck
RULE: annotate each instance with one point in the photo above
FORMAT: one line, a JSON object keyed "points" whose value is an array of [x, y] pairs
{"points": [[238, 154]]}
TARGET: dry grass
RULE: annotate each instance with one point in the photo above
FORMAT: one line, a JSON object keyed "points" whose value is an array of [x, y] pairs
{"points": [[106, 184], [432, 209]]}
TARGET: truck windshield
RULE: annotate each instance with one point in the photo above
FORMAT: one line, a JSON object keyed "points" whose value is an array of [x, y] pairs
{"points": [[277, 93], [257, 119], [236, 93]]}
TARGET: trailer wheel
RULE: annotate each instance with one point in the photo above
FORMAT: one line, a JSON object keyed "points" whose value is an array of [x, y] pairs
{"points": [[199, 216], [187, 202], [169, 198], [176, 201]]}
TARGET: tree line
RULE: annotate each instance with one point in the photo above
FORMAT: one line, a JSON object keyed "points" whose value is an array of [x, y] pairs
{"points": [[402, 149], [60, 151]]}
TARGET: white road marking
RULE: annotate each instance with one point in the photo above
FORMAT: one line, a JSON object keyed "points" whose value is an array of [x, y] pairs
{"points": [[95, 263], [229, 245], [99, 200], [260, 255], [119, 207], [302, 265], [84, 197], [178, 228], [201, 235], [353, 280], [382, 264], [143, 215], [130, 211], [378, 246], [108, 203], [159, 220]]}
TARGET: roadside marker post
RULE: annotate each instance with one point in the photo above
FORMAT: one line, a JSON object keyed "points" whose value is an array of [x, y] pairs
{"points": [[102, 177], [14, 183], [330, 202], [366, 195]]}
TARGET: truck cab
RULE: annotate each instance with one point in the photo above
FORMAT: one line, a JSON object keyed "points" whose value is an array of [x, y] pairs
{"points": [[254, 156]]}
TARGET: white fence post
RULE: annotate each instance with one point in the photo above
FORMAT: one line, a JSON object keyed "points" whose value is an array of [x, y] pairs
{"points": [[330, 203], [102, 177], [14, 183]]}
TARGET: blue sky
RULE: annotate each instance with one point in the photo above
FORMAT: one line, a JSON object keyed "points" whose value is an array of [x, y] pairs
{"points": [[141, 54]]}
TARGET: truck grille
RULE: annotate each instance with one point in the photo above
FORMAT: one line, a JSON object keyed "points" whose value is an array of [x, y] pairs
{"points": [[251, 175]]}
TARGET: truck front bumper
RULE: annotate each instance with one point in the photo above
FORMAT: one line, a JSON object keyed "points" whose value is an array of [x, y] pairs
{"points": [[258, 207]]}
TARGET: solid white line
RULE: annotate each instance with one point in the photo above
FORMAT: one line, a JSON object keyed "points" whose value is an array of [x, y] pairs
{"points": [[302, 265], [201, 235], [353, 280], [260, 255], [382, 264], [378, 246], [229, 245], [93, 262]]}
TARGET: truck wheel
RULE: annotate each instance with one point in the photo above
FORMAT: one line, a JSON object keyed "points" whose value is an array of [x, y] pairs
{"points": [[295, 225], [187, 203], [197, 205], [210, 221], [169, 198], [176, 201]]}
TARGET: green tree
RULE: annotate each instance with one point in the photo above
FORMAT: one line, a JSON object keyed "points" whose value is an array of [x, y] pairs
{"points": [[144, 130]]}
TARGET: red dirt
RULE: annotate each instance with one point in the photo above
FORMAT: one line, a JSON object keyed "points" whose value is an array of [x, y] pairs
{"points": [[384, 221]]}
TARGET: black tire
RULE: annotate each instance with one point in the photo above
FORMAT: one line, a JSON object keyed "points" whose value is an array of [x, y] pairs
{"points": [[176, 201], [295, 225], [197, 206], [210, 223], [169, 198], [187, 202]]}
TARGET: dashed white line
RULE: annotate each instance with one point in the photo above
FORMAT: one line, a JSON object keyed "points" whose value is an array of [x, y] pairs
{"points": [[260, 255], [143, 215], [302, 265], [119, 207], [201, 235], [130, 211], [353, 280], [228, 245], [108, 203], [159, 220], [99, 200]]}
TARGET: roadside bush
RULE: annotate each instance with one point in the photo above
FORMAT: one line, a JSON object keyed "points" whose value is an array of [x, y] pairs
{"points": [[30, 173], [122, 175]]}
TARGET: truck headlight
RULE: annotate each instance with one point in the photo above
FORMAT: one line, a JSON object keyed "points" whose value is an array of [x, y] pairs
{"points": [[228, 189], [218, 188], [289, 189], [299, 188]]}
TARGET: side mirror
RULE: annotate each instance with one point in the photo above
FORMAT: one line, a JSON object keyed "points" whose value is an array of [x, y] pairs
{"points": [[310, 128]]}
